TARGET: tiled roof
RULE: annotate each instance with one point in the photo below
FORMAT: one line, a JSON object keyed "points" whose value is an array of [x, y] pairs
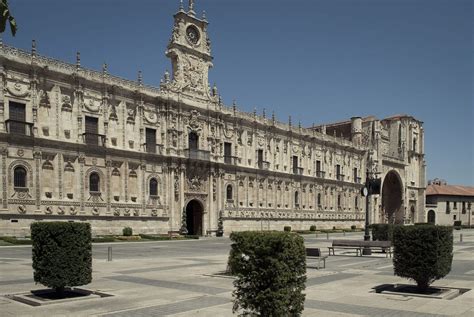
{"points": [[449, 190]]}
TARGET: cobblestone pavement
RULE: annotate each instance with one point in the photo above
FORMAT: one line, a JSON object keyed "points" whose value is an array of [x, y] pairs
{"points": [[177, 278]]}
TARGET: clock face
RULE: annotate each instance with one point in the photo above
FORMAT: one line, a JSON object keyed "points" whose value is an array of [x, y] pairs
{"points": [[192, 34]]}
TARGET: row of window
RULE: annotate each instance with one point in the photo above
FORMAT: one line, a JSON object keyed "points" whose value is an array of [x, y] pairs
{"points": [[20, 181], [230, 197], [455, 206]]}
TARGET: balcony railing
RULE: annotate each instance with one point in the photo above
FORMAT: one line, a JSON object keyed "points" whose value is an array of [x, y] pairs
{"points": [[19, 127], [197, 154], [93, 138], [153, 148], [340, 177], [320, 174], [231, 160], [298, 170], [263, 165]]}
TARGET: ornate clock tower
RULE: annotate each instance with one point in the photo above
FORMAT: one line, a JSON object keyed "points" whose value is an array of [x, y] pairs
{"points": [[190, 52]]}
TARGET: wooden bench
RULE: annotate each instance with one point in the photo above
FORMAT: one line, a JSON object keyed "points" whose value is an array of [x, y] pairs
{"points": [[384, 246], [346, 244], [315, 253]]}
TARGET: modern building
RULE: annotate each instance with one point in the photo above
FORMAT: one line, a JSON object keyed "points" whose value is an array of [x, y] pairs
{"points": [[448, 203], [84, 145]]}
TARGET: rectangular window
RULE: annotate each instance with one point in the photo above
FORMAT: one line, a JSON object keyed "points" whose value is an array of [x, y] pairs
{"points": [[455, 205], [17, 118], [448, 208], [339, 175], [92, 130], [260, 158], [318, 166], [356, 177], [150, 139], [295, 164], [228, 153], [463, 207]]}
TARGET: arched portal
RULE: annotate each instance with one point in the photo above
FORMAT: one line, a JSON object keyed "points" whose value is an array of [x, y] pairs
{"points": [[432, 217], [392, 198], [194, 212]]}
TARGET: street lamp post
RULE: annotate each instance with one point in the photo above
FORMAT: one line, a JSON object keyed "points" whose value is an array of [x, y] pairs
{"points": [[372, 187]]}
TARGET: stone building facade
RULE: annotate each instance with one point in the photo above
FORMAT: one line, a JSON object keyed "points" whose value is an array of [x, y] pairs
{"points": [[446, 204], [83, 145]]}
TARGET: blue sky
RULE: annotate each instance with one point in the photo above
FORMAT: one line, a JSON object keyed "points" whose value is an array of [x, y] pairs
{"points": [[317, 60]]}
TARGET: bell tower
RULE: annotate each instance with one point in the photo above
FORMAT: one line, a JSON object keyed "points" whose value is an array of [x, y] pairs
{"points": [[190, 52]]}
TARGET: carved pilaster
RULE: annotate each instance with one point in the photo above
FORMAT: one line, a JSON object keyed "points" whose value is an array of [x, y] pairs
{"points": [[60, 176], [4, 153], [126, 177], [37, 157], [108, 164], [82, 161], [143, 189], [2, 98]]}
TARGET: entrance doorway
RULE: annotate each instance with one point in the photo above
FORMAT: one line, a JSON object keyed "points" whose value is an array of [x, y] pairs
{"points": [[392, 198], [194, 212]]}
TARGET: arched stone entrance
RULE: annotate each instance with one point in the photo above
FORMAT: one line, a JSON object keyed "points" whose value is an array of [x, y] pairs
{"points": [[194, 213], [432, 217], [392, 198]]}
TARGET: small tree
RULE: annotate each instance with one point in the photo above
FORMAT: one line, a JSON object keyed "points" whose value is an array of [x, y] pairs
{"points": [[62, 254], [127, 231], [271, 273], [422, 253]]}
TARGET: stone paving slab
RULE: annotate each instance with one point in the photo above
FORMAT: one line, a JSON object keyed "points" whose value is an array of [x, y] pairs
{"points": [[175, 308], [363, 310], [168, 284]]}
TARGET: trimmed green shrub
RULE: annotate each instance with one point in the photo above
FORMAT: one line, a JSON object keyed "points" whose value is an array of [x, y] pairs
{"points": [[287, 228], [312, 228], [382, 231], [127, 231], [422, 253], [62, 254], [271, 273]]}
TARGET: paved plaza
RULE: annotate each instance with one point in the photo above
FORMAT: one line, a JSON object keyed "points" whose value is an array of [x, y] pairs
{"points": [[175, 278]]}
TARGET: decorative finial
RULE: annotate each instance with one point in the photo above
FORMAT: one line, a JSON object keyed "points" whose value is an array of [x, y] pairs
{"points": [[264, 114], [78, 59], [181, 6], [204, 18], [273, 117], [214, 90], [33, 47], [167, 76], [104, 68], [1, 41], [299, 124], [234, 106], [140, 78], [255, 112], [191, 7], [289, 121]]}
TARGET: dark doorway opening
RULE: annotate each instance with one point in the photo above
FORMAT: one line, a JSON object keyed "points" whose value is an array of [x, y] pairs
{"points": [[392, 203], [194, 212], [431, 217]]}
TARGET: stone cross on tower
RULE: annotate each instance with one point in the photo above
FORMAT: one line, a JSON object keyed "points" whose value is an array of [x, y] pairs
{"points": [[191, 6]]}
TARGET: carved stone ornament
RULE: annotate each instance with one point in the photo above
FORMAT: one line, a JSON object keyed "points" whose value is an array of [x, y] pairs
{"points": [[136, 212], [61, 210], [72, 210], [150, 117], [92, 105], [22, 209], [126, 212], [44, 99], [18, 89], [117, 212], [66, 104], [95, 211], [49, 210]]}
